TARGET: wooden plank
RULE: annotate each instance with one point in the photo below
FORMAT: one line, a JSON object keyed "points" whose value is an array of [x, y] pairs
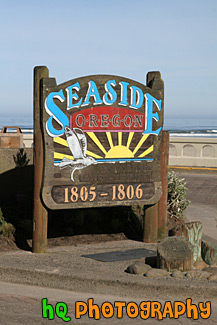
{"points": [[116, 192]]}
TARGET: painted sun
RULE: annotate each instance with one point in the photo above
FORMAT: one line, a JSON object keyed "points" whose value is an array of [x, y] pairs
{"points": [[108, 147]]}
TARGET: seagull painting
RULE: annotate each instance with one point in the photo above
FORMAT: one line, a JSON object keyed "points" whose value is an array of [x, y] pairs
{"points": [[77, 143]]}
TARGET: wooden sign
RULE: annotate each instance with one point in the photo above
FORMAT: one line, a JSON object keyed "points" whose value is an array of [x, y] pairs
{"points": [[101, 138]]}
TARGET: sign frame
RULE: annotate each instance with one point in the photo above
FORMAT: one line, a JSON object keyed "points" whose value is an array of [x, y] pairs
{"points": [[55, 181]]}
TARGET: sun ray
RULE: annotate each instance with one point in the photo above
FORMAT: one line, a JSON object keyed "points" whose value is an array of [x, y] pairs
{"points": [[146, 152], [97, 142], [130, 137], [145, 136], [119, 138], [108, 134], [58, 155], [92, 135], [61, 141], [89, 153]]}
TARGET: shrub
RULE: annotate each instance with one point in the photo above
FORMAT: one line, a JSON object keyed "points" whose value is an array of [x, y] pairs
{"points": [[6, 228], [176, 202]]}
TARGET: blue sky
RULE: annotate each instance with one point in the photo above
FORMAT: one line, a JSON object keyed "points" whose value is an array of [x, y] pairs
{"points": [[120, 37]]}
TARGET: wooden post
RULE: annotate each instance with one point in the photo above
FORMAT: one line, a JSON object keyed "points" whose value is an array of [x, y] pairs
{"points": [[39, 238], [155, 216], [162, 204], [150, 221]]}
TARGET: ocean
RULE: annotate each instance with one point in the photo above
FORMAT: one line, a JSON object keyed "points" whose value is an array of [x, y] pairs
{"points": [[25, 122], [177, 125], [199, 126]]}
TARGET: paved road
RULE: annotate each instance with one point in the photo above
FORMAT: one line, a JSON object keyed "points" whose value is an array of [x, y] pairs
{"points": [[202, 186], [202, 192], [21, 304]]}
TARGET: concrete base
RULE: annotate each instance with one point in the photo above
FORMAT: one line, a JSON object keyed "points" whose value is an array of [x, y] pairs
{"points": [[209, 250]]}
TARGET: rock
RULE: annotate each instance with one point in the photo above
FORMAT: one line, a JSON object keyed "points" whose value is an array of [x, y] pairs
{"points": [[151, 260], [157, 273], [209, 250], [178, 274], [192, 231], [175, 253], [197, 275], [200, 265], [211, 269], [212, 277], [138, 268]]}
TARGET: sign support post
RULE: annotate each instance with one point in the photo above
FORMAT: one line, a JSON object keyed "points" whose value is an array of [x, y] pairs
{"points": [[162, 203], [150, 223], [155, 216], [39, 237]]}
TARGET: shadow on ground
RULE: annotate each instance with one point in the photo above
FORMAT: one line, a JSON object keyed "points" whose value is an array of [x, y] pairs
{"points": [[16, 204]]}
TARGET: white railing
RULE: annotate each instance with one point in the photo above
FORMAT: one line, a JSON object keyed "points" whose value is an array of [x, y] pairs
{"points": [[28, 140], [194, 152]]}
